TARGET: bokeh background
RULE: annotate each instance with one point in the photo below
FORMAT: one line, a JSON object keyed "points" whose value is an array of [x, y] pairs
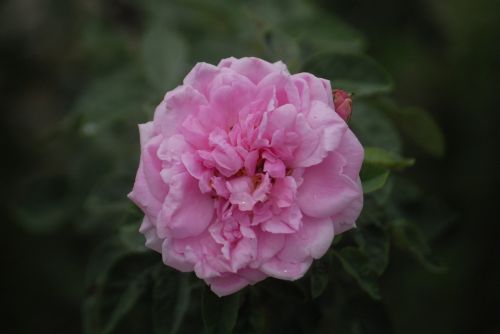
{"points": [[444, 56]]}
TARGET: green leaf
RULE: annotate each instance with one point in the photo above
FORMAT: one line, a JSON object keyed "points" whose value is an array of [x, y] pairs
{"points": [[106, 115], [107, 207], [171, 297], [432, 215], [277, 12], [131, 238], [102, 260], [373, 241], [382, 158], [254, 313], [219, 313], [420, 127], [383, 196], [116, 290], [357, 264], [373, 127], [360, 315], [90, 313], [292, 292], [326, 33], [354, 73], [127, 301], [165, 57], [319, 282], [320, 277], [103, 45], [373, 178], [119, 95], [409, 237], [281, 46], [36, 211]]}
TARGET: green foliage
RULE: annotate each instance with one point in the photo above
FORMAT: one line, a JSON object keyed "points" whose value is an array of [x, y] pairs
{"points": [[373, 240], [122, 91], [171, 298], [165, 56], [357, 264], [281, 46], [99, 278], [410, 238], [372, 126], [379, 157], [377, 166], [327, 33], [37, 213], [373, 178], [126, 301], [354, 73], [219, 313], [419, 126], [320, 275]]}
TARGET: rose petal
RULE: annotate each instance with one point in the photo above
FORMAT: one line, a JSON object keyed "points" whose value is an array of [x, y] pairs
{"points": [[286, 270], [350, 148], [179, 104], [326, 192], [320, 131], [201, 76], [319, 89], [346, 219], [175, 259], [186, 211], [152, 240], [312, 240], [141, 195], [253, 68], [227, 284]]}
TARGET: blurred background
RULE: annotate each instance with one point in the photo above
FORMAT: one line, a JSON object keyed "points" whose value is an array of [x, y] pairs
{"points": [[62, 62]]}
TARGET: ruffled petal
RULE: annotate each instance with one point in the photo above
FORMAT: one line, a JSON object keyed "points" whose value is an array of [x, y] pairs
{"points": [[319, 89], [227, 284], [289, 220], [312, 240], [325, 191], [350, 148], [269, 245], [244, 253], [186, 212], [152, 240], [179, 104], [320, 131], [286, 270], [346, 219], [177, 260], [141, 195], [284, 88], [201, 76], [253, 68]]}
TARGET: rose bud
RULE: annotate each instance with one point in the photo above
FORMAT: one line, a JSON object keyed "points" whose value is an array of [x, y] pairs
{"points": [[343, 104]]}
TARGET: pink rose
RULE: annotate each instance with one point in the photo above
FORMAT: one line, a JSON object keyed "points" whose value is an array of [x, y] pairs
{"points": [[246, 172]]}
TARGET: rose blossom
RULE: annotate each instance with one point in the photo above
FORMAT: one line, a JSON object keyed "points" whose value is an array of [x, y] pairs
{"points": [[246, 172]]}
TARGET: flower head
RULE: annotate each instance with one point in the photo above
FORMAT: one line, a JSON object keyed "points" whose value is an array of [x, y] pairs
{"points": [[246, 171]]}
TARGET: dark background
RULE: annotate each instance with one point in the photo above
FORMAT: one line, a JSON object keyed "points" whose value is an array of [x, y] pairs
{"points": [[444, 56]]}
